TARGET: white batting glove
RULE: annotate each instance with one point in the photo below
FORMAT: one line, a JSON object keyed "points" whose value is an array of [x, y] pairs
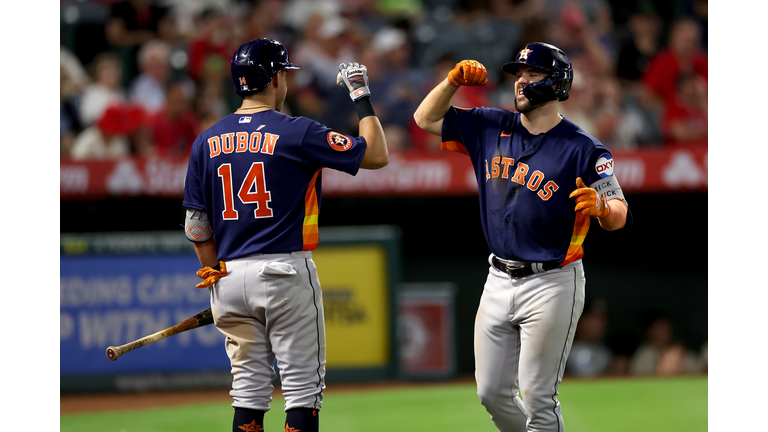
{"points": [[353, 78]]}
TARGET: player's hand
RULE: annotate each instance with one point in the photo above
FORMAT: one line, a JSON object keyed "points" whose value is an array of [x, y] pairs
{"points": [[470, 73], [587, 201], [211, 275], [353, 78]]}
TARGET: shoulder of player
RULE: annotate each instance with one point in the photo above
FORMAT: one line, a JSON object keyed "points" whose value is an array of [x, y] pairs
{"points": [[577, 136], [485, 111]]}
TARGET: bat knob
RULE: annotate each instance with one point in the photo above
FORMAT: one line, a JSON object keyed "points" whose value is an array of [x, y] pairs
{"points": [[112, 353]]}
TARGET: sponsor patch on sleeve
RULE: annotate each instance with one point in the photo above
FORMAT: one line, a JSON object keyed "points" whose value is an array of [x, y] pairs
{"points": [[339, 142], [604, 165]]}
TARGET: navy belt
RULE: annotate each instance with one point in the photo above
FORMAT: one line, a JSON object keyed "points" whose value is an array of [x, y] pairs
{"points": [[521, 270]]}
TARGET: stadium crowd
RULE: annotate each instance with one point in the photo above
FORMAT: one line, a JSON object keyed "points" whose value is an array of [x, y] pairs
{"points": [[144, 77]]}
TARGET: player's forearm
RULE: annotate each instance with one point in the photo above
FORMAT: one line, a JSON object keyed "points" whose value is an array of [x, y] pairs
{"points": [[376, 154], [429, 115], [617, 218], [206, 253]]}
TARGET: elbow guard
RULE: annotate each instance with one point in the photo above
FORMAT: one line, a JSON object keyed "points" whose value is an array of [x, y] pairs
{"points": [[197, 228]]}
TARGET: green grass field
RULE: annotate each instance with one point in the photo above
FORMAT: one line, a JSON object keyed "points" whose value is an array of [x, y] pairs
{"points": [[607, 405]]}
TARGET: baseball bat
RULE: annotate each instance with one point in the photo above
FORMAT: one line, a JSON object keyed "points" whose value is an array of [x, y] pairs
{"points": [[202, 319]]}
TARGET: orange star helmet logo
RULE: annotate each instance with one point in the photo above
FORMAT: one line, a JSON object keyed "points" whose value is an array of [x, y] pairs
{"points": [[290, 429], [524, 53]]}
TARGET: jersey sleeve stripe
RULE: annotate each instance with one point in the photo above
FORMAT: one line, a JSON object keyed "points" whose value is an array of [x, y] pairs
{"points": [[454, 146], [580, 229], [310, 234]]}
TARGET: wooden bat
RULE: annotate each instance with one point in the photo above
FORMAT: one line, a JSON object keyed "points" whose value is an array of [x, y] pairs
{"points": [[204, 318]]}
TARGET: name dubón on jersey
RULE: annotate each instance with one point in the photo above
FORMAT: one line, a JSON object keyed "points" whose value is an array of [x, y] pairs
{"points": [[241, 142], [500, 168]]}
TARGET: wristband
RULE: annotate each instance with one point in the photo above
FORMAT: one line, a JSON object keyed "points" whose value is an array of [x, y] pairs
{"points": [[364, 107]]}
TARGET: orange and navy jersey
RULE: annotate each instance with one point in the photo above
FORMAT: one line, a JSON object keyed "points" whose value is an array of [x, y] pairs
{"points": [[259, 179], [524, 181]]}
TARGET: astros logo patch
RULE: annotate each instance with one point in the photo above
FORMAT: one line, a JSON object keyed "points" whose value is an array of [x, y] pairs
{"points": [[604, 165], [338, 141]]}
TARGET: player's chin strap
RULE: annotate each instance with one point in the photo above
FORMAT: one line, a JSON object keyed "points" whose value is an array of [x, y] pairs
{"points": [[211, 274]]}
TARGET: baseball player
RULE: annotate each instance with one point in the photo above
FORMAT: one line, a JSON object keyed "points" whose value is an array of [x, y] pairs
{"points": [[252, 199], [541, 178]]}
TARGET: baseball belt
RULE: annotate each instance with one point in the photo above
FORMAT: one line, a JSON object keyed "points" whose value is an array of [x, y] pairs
{"points": [[521, 270]]}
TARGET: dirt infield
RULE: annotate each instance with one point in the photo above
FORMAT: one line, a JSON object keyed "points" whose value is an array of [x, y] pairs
{"points": [[90, 403]]}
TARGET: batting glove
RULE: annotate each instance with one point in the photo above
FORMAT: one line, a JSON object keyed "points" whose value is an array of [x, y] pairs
{"points": [[353, 78], [470, 73], [211, 274], [587, 201]]}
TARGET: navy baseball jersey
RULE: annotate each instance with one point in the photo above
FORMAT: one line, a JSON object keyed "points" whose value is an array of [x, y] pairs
{"points": [[258, 177], [524, 181]]}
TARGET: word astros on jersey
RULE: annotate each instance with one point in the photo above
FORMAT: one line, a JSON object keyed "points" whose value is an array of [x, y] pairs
{"points": [[500, 167], [241, 142]]}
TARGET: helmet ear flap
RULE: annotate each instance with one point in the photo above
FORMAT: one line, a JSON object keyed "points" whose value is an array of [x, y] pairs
{"points": [[540, 91]]}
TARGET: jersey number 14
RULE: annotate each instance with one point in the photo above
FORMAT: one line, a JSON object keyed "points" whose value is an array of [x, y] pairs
{"points": [[253, 190]]}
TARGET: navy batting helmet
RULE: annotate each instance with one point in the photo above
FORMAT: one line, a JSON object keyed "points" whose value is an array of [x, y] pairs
{"points": [[256, 62], [552, 60]]}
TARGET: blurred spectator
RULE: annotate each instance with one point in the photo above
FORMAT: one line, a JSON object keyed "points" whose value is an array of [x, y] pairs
{"points": [[298, 14], [209, 100], [578, 38], [81, 28], [619, 123], [641, 44], [590, 356], [582, 102], [597, 14], [175, 128], [72, 82], [110, 137], [72, 67], [657, 336], [105, 89], [265, 19], [210, 51], [535, 20], [699, 11], [683, 54], [186, 13], [660, 353], [325, 44], [399, 85], [684, 121], [148, 89], [133, 23]]}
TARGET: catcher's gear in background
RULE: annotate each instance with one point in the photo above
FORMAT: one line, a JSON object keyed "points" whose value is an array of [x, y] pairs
{"points": [[353, 77], [554, 62], [256, 62], [211, 274], [587, 201], [469, 73]]}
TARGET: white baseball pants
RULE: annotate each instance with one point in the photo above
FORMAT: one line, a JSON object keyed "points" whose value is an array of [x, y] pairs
{"points": [[523, 333], [269, 307]]}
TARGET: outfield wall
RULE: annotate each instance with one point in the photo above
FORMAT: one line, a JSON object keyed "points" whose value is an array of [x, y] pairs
{"points": [[661, 262]]}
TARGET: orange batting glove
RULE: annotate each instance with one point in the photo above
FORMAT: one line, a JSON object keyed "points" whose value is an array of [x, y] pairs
{"points": [[469, 73], [587, 201], [211, 275]]}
